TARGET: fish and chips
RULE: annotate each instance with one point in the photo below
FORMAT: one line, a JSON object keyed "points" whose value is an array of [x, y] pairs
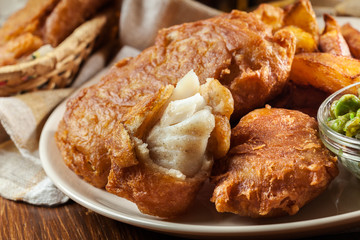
{"points": [[158, 125]]}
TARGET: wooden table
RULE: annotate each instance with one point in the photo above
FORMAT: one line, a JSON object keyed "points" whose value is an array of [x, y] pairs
{"points": [[69, 221], [72, 221]]}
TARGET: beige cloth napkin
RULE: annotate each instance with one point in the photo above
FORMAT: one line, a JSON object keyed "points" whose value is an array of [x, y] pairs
{"points": [[22, 117], [348, 8], [21, 174]]}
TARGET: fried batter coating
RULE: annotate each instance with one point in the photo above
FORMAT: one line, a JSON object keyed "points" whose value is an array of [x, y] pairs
{"points": [[161, 166], [235, 48], [276, 165], [158, 164]]}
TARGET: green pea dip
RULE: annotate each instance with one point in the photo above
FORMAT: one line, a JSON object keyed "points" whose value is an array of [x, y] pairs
{"points": [[345, 115]]}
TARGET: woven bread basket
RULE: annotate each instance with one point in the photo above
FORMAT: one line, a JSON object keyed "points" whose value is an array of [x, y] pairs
{"points": [[57, 68]]}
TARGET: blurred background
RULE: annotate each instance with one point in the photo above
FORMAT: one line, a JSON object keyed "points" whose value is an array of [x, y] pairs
{"points": [[333, 7]]}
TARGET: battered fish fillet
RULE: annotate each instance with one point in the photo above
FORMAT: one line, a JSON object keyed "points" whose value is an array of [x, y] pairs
{"points": [[163, 150], [163, 156], [235, 48], [276, 165]]}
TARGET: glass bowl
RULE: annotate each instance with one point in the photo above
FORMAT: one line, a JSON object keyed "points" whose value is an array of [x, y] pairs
{"points": [[346, 148]]}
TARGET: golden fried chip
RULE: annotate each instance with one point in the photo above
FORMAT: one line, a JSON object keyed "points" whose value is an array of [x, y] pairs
{"points": [[352, 37], [331, 40], [324, 71]]}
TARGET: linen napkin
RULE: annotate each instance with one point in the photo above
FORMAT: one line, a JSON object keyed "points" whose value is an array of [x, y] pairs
{"points": [[21, 120], [23, 116], [21, 173], [348, 8]]}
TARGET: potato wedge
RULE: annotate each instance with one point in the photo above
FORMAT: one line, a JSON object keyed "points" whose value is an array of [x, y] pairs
{"points": [[324, 71], [270, 15], [305, 42], [331, 40], [352, 37], [302, 15]]}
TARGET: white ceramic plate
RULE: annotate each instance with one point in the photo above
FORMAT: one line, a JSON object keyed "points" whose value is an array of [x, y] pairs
{"points": [[337, 207]]}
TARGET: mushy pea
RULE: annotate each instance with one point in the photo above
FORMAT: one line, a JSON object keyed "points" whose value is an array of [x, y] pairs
{"points": [[345, 116]]}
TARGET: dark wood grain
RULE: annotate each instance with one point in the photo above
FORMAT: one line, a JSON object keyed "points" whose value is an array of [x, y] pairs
{"points": [[70, 221], [20, 220]]}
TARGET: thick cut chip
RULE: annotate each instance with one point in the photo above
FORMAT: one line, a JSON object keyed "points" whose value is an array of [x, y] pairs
{"points": [[331, 40], [352, 37], [270, 15], [324, 71], [305, 42], [302, 15]]}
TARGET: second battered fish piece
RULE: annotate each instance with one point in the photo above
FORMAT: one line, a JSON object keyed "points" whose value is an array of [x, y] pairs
{"points": [[276, 165]]}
